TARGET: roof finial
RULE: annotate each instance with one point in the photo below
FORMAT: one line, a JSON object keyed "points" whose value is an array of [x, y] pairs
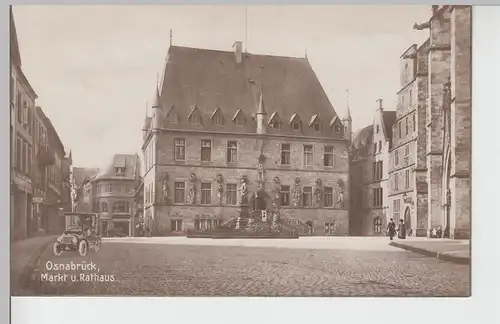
{"points": [[170, 36]]}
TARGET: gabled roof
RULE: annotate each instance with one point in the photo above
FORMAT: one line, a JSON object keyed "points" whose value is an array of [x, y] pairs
{"points": [[388, 119], [237, 114], [130, 162], [215, 112], [294, 117], [313, 119], [335, 120], [211, 78], [15, 54], [274, 115]]}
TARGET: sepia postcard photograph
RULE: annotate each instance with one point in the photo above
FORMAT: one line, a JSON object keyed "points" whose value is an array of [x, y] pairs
{"points": [[240, 150]]}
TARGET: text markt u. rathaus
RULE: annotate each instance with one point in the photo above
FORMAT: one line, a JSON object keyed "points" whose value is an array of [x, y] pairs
{"points": [[230, 124]]}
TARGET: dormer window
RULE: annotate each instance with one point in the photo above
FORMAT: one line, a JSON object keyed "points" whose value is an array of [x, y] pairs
{"points": [[238, 118], [275, 124], [296, 125], [317, 127], [194, 116], [337, 129], [120, 171], [218, 120]]}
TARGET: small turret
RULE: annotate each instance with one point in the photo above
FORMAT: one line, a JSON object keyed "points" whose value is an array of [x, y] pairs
{"points": [[261, 116], [156, 107], [347, 121]]}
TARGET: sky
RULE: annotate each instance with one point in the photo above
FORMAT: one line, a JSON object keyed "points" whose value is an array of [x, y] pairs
{"points": [[95, 67]]}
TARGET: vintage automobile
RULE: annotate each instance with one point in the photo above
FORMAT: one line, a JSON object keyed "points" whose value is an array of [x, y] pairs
{"points": [[81, 234]]}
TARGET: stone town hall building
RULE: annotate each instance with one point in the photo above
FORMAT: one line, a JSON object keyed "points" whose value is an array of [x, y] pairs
{"points": [[220, 119]]}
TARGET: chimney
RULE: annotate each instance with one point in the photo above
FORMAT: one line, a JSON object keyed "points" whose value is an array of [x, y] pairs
{"points": [[237, 51], [379, 101]]}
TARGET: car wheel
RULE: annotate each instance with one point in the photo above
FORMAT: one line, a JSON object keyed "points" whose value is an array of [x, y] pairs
{"points": [[56, 248], [82, 248]]}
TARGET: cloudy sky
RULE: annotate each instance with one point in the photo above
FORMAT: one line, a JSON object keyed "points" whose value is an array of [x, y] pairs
{"points": [[94, 67]]}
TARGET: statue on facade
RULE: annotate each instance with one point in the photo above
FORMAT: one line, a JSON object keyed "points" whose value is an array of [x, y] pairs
{"points": [[192, 189], [220, 189], [261, 172], [243, 190], [340, 200], [318, 191], [165, 188], [296, 193], [276, 190]]}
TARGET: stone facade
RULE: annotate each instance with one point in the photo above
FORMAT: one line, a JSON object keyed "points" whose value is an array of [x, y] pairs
{"points": [[225, 149], [22, 109], [369, 175]]}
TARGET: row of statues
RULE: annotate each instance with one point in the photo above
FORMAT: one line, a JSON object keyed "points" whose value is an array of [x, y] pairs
{"points": [[243, 190]]}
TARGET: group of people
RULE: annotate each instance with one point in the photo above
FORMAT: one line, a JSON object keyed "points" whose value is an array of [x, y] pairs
{"points": [[401, 229]]}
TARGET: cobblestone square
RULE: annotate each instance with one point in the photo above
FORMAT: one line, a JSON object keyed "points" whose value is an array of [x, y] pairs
{"points": [[160, 267]]}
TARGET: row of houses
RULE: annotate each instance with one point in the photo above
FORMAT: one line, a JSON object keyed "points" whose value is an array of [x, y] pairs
{"points": [[414, 163], [115, 192], [40, 167]]}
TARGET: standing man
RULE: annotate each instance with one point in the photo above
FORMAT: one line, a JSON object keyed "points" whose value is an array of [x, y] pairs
{"points": [[391, 228]]}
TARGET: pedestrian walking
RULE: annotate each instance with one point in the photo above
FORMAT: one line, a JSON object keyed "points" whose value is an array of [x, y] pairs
{"points": [[401, 230], [391, 229]]}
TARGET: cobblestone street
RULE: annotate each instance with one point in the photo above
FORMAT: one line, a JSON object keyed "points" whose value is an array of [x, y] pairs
{"points": [[213, 268]]}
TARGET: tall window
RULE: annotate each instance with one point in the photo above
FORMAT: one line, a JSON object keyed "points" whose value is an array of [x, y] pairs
{"points": [[25, 156], [407, 126], [399, 128], [307, 196], [377, 225], [396, 157], [407, 149], [19, 153], [380, 146], [396, 181], [12, 89], [104, 207], [410, 98], [176, 225], [231, 193], [396, 205], [407, 178], [206, 150], [377, 197], [378, 128], [29, 159], [285, 154], [329, 227], [328, 196], [19, 105], [308, 155], [180, 191], [374, 148], [206, 193], [232, 152], [285, 196], [414, 122], [328, 156], [180, 149]]}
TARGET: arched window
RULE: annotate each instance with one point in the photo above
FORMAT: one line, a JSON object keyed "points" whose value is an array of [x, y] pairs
{"points": [[377, 223], [104, 207], [121, 207]]}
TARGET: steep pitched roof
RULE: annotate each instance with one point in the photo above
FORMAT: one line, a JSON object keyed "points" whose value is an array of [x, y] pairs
{"points": [[82, 174], [54, 136], [15, 54], [130, 162], [388, 118], [363, 137], [211, 78]]}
